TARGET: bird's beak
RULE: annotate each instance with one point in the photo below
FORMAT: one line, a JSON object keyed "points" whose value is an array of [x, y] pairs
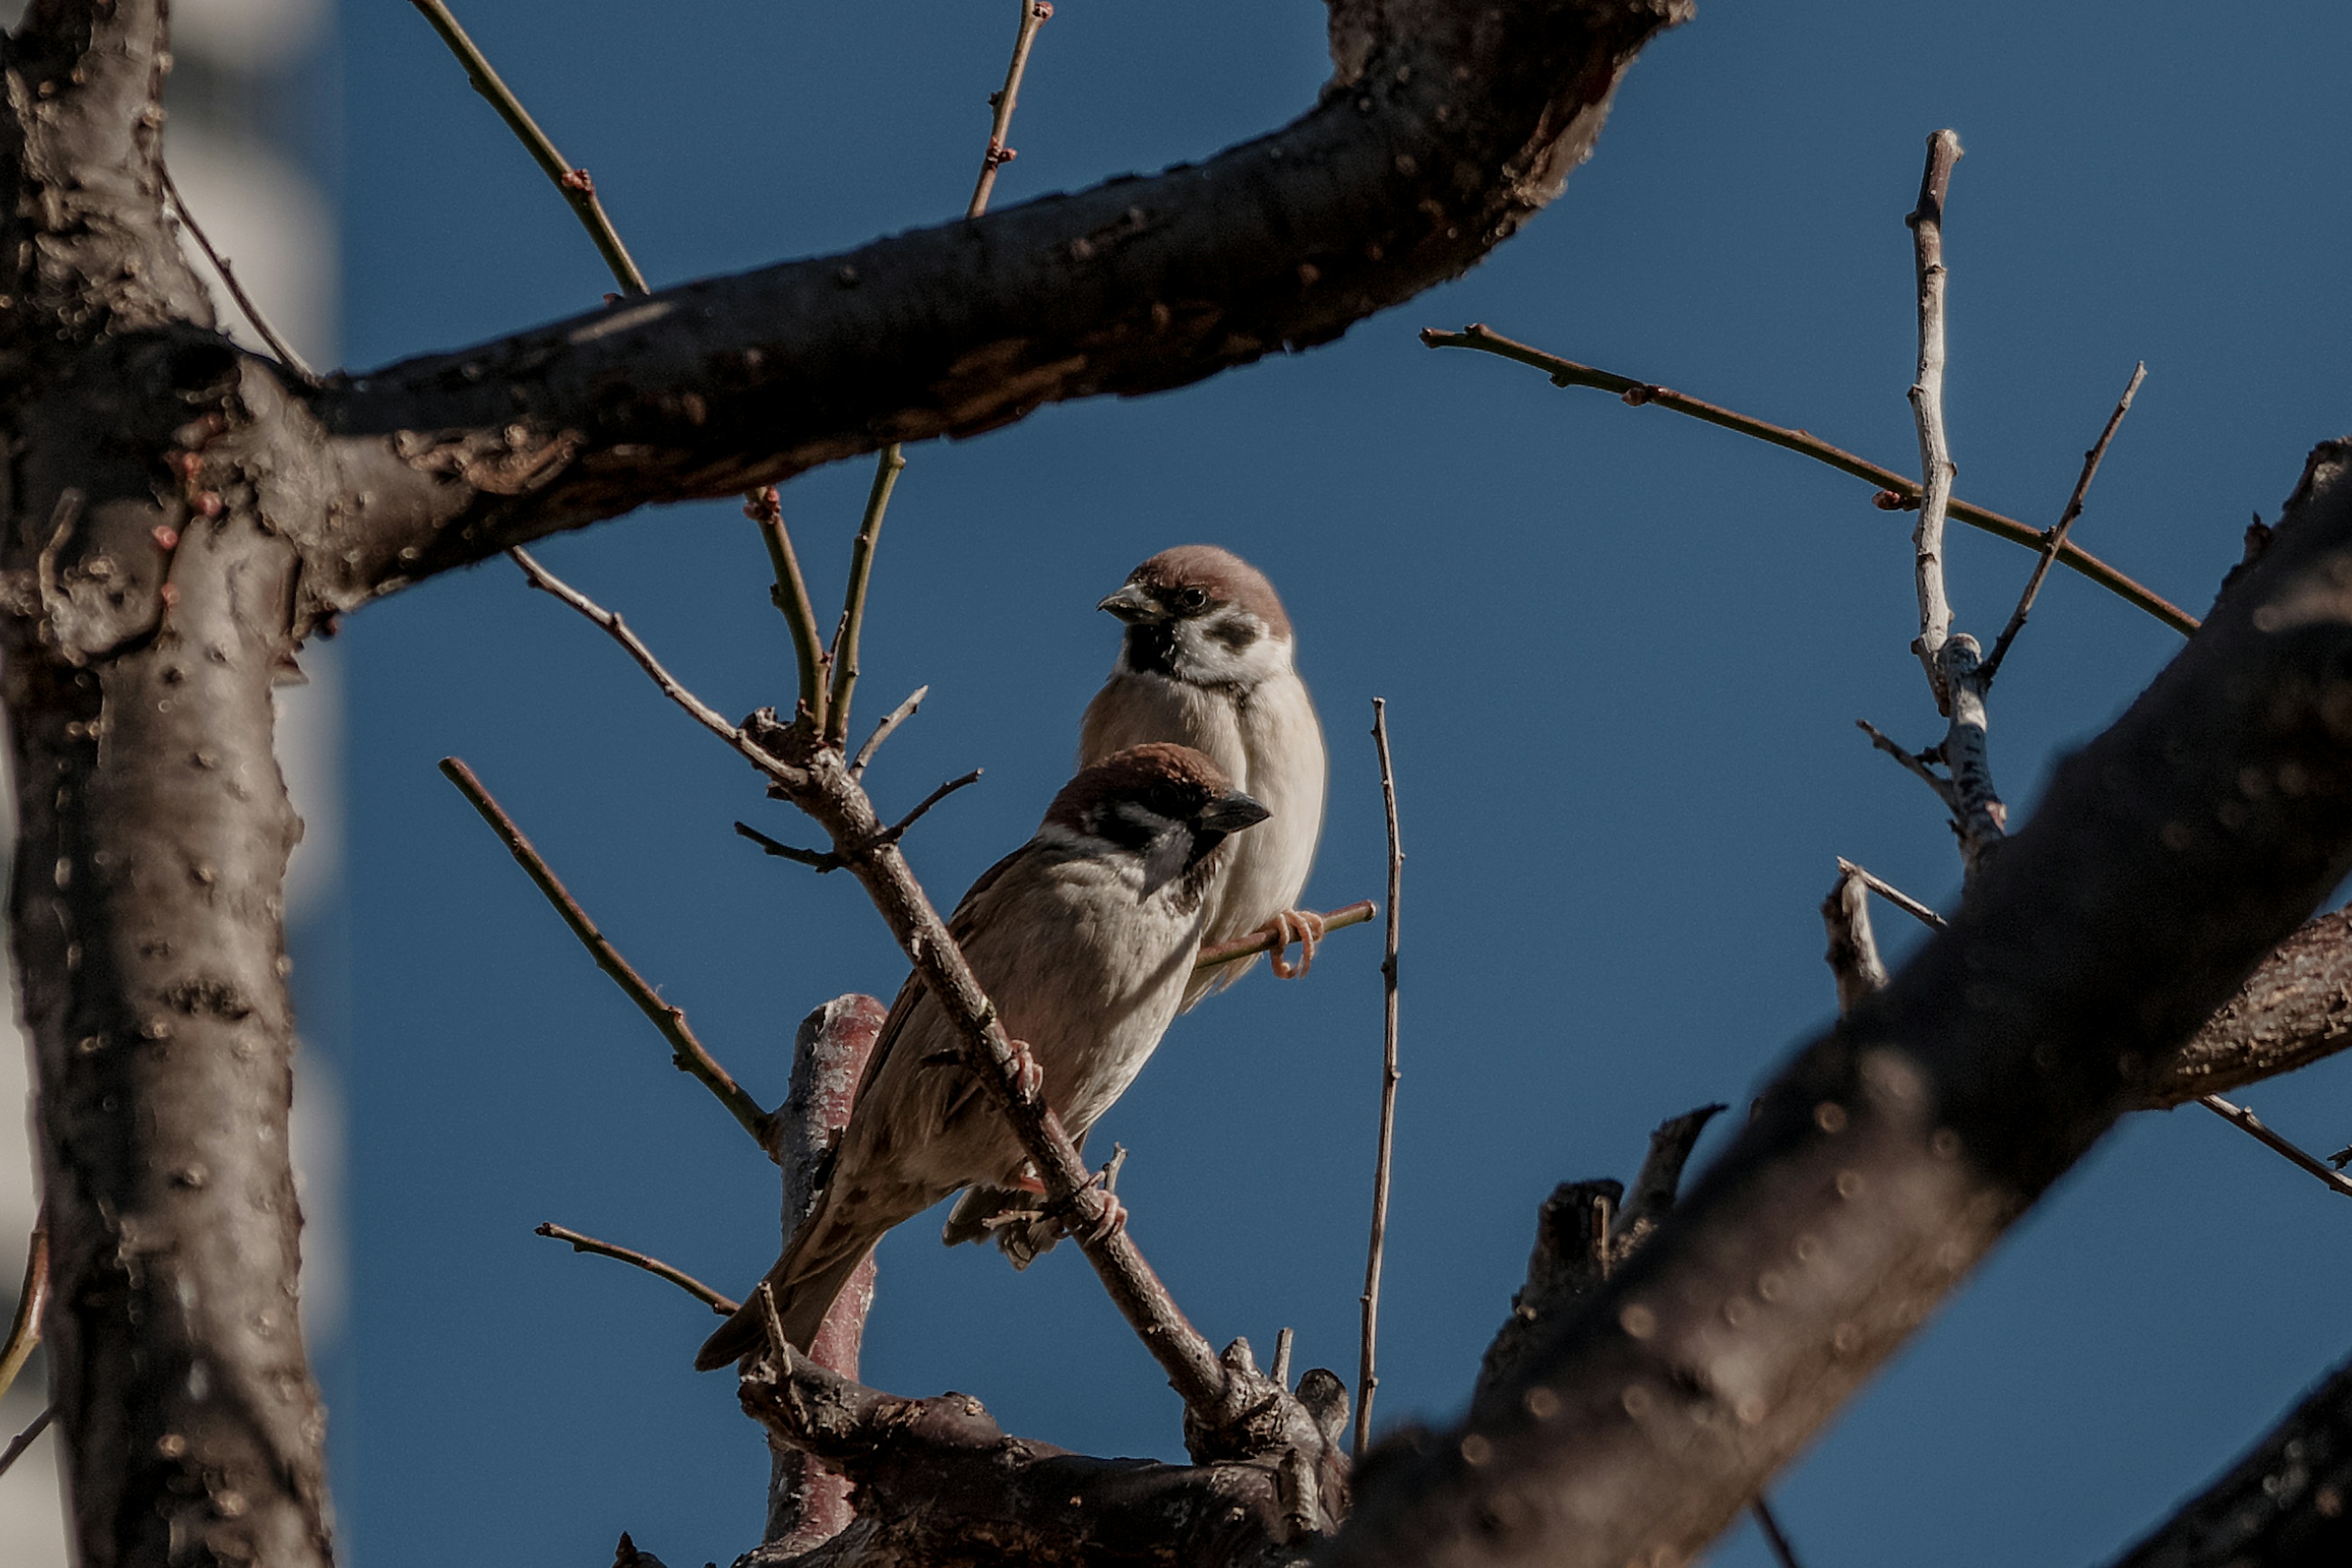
{"points": [[1232, 811], [1131, 604]]}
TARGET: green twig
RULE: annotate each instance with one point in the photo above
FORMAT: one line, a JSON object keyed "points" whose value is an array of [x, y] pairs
{"points": [[791, 597], [853, 606], [577, 188], [1897, 492], [1033, 15]]}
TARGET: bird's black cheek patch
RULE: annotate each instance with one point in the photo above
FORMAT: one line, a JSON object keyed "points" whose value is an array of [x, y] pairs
{"points": [[1236, 632]]}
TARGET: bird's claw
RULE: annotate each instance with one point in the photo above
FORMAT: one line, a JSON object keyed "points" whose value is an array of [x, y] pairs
{"points": [[1109, 1223], [1302, 926], [1028, 1077]]}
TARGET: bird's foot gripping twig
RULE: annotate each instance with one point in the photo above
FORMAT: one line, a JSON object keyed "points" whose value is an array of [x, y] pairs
{"points": [[1302, 926]]}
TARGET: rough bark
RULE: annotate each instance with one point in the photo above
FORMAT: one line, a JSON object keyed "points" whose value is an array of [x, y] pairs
{"points": [[153, 830], [1445, 128], [807, 1502], [2296, 1010], [939, 1482], [2172, 853], [2288, 1500]]}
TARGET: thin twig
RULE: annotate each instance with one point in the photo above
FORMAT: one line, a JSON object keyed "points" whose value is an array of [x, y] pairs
{"points": [[25, 1332], [1774, 1536], [1368, 1380], [547, 582], [24, 1439], [823, 861], [687, 1052], [2057, 538], [882, 732], [886, 468], [278, 345], [765, 508], [677, 1277], [1909, 759], [1357, 913], [1935, 466], [2244, 1119], [1898, 492], [574, 185], [1033, 15], [1280, 1370], [1894, 895]]}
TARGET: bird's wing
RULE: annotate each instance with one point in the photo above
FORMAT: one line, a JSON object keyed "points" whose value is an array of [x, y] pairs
{"points": [[966, 922]]}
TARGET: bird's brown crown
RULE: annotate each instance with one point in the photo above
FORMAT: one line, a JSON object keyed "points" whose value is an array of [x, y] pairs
{"points": [[1221, 574], [1175, 782]]}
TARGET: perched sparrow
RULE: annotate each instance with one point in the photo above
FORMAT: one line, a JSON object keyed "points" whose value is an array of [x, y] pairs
{"points": [[1206, 663], [1084, 938]]}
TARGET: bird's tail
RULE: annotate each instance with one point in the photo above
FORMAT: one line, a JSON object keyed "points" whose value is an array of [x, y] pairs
{"points": [[824, 1252]]}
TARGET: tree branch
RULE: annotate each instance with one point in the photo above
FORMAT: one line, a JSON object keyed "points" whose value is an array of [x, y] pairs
{"points": [[2289, 1499], [1368, 1380], [1134, 286], [1891, 1153], [715, 1301], [1896, 491], [688, 1053], [808, 1502], [2296, 1009], [938, 1480]]}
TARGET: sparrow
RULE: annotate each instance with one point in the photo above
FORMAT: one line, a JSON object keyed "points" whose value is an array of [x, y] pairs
{"points": [[1083, 937], [1206, 662]]}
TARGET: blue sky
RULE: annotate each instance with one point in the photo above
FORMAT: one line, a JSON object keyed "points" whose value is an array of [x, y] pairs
{"points": [[1624, 654]]}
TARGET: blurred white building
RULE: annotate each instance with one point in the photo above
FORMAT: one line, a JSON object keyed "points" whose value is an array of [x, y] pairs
{"points": [[247, 105]]}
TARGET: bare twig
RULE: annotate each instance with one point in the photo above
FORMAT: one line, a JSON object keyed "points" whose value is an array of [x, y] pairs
{"points": [[1853, 950], [1774, 1536], [574, 185], [687, 1052], [853, 609], [2245, 1119], [1952, 660], [25, 1331], [1894, 895], [677, 1277], [1357, 913], [1033, 15], [710, 718], [24, 1439], [824, 861], [278, 345], [1897, 492], [882, 732], [1280, 1370], [1935, 466], [1368, 1380], [765, 508], [2057, 537], [1915, 761]]}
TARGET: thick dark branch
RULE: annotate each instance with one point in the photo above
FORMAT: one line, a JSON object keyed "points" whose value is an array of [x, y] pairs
{"points": [[2171, 855], [81, 182], [1446, 130], [939, 1482], [2296, 1010], [2288, 1500]]}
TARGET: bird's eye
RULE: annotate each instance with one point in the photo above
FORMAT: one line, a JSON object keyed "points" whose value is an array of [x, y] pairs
{"points": [[1189, 600]]}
